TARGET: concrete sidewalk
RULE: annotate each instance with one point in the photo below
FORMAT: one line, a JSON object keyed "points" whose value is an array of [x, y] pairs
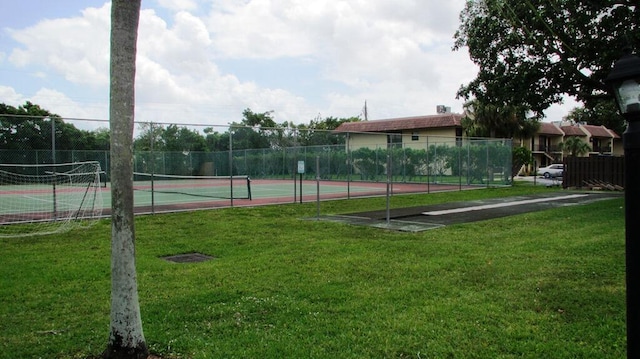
{"points": [[421, 218]]}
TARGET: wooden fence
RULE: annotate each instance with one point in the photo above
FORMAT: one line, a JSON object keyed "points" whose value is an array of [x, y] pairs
{"points": [[601, 171]]}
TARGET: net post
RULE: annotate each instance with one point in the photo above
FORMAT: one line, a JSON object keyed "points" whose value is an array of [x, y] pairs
{"points": [[318, 187], [231, 165], [153, 170], [349, 160], [53, 162], [249, 188], [428, 167], [388, 187], [54, 198]]}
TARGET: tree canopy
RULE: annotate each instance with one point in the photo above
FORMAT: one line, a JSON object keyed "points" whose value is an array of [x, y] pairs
{"points": [[488, 120], [530, 53], [601, 113], [574, 146], [260, 130], [28, 127]]}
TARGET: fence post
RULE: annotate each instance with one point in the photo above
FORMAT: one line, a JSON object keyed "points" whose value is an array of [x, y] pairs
{"points": [[231, 164], [349, 166]]}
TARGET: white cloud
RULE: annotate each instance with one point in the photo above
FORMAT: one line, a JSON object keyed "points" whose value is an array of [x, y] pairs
{"points": [[10, 97], [258, 29], [178, 5], [390, 52], [176, 77], [182, 48], [77, 48], [558, 112], [58, 103], [49, 98], [396, 54]]}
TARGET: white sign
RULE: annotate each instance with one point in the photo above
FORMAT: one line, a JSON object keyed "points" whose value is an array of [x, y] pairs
{"points": [[300, 166]]}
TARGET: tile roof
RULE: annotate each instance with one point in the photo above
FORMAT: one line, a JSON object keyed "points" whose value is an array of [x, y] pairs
{"points": [[547, 128], [405, 123], [600, 131], [584, 130], [573, 131]]}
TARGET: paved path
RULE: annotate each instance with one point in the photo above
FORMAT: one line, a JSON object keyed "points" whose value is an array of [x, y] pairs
{"points": [[415, 219]]}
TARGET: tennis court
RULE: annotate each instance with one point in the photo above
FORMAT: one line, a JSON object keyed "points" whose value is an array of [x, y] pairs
{"points": [[23, 203], [241, 191]]}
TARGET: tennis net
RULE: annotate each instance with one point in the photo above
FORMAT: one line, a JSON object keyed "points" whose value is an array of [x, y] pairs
{"points": [[220, 187]]}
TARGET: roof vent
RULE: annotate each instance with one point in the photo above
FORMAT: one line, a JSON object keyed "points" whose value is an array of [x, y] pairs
{"points": [[443, 109]]}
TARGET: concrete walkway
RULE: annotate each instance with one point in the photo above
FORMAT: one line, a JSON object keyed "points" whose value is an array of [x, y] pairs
{"points": [[421, 218]]}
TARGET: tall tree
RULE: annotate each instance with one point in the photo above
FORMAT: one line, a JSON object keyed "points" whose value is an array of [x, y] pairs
{"points": [[256, 130], [488, 120], [150, 137], [216, 141], [126, 339], [182, 139], [27, 127], [602, 113], [574, 146], [533, 52], [320, 132], [102, 138]]}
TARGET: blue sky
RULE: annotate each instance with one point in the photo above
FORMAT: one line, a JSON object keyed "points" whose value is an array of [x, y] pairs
{"points": [[205, 61]]}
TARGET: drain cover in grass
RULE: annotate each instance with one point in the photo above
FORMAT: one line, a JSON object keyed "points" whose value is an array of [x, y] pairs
{"points": [[188, 258]]}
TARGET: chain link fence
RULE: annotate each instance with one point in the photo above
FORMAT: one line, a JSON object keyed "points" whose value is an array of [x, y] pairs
{"points": [[265, 153]]}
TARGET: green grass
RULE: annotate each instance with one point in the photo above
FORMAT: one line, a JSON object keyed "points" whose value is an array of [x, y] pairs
{"points": [[547, 284]]}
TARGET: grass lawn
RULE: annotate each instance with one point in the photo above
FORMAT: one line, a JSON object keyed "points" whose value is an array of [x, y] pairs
{"points": [[547, 284]]}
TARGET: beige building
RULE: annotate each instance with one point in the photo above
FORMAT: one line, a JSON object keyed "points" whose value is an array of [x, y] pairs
{"points": [[445, 128], [413, 132], [546, 144]]}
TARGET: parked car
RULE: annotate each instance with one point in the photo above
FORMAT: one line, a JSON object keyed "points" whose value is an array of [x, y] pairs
{"points": [[553, 170]]}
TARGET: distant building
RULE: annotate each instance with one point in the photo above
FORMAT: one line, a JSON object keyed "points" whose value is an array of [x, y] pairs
{"points": [[446, 128], [412, 132], [546, 143]]}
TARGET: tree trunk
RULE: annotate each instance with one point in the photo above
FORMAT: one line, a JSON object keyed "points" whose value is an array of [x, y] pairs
{"points": [[126, 339]]}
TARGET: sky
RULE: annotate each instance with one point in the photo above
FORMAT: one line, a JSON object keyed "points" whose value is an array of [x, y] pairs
{"points": [[205, 61]]}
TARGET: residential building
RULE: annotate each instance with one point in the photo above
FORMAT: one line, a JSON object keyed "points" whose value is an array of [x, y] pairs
{"points": [[446, 128], [412, 132], [602, 140], [546, 144]]}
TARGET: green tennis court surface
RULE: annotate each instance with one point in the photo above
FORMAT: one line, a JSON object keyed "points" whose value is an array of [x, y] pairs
{"points": [[177, 195]]}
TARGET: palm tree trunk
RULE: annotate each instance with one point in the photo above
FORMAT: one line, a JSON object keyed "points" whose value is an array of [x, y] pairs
{"points": [[126, 339]]}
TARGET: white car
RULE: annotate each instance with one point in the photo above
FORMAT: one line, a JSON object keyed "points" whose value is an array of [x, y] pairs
{"points": [[554, 170]]}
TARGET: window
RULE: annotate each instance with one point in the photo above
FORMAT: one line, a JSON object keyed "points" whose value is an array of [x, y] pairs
{"points": [[415, 136], [544, 144], [459, 136], [394, 140]]}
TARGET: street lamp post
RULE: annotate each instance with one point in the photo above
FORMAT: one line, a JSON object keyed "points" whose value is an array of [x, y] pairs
{"points": [[624, 82]]}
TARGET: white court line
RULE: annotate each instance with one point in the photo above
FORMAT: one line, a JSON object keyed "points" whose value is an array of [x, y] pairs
{"points": [[499, 205]]}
